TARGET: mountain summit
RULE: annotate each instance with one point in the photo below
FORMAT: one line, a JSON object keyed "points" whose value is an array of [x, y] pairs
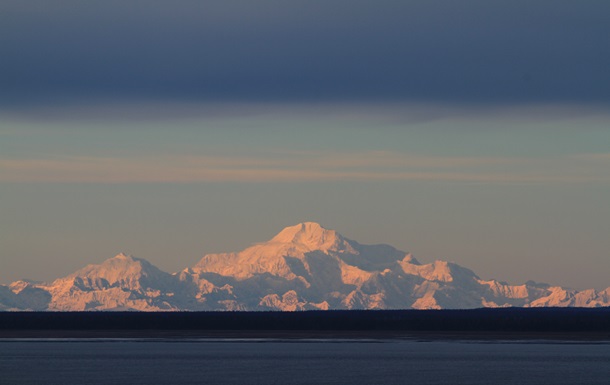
{"points": [[304, 266], [312, 236]]}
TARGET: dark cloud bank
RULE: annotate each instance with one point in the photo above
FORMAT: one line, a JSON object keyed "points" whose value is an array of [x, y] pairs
{"points": [[496, 52]]}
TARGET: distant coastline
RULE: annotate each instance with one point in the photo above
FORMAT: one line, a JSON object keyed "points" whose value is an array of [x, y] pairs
{"points": [[564, 324]]}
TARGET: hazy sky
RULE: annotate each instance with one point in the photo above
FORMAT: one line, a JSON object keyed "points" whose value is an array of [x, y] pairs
{"points": [[470, 131]]}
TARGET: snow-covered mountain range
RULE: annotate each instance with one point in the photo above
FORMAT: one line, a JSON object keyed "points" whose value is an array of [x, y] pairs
{"points": [[303, 267]]}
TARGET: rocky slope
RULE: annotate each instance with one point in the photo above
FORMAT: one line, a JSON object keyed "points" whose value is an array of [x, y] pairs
{"points": [[303, 267]]}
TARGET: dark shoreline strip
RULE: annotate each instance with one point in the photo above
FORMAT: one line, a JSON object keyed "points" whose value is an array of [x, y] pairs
{"points": [[511, 323], [296, 335]]}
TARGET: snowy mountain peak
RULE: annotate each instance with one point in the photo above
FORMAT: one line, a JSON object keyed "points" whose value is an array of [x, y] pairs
{"points": [[311, 235], [119, 269], [303, 267], [123, 256]]}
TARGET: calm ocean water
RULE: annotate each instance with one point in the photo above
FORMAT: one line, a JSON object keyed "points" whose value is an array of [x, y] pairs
{"points": [[304, 362]]}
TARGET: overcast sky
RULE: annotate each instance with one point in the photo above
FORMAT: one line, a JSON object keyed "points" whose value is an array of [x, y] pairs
{"points": [[470, 131]]}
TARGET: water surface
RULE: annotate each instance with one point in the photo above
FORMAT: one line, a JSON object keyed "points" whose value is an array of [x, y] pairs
{"points": [[288, 362]]}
